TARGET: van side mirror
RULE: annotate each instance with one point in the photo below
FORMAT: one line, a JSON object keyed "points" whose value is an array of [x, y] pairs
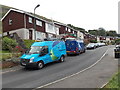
{"points": [[50, 53]]}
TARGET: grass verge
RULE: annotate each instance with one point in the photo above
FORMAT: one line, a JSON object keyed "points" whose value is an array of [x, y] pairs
{"points": [[114, 83]]}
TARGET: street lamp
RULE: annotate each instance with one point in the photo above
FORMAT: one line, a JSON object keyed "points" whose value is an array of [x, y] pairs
{"points": [[35, 21]]}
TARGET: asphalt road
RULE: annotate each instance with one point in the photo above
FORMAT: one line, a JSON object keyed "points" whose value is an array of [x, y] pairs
{"points": [[34, 78]]}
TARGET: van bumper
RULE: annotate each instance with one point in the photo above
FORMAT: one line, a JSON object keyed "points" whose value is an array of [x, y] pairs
{"points": [[33, 64], [72, 52]]}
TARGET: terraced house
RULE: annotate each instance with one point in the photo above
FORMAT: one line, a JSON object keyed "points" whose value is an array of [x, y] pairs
{"points": [[22, 23]]}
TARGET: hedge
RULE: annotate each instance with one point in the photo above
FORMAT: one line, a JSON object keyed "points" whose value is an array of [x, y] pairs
{"points": [[28, 43], [8, 44]]}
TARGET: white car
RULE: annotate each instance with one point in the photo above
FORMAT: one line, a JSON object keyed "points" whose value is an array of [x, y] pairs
{"points": [[91, 46]]}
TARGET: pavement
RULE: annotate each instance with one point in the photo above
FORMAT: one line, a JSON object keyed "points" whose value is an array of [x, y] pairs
{"points": [[94, 77]]}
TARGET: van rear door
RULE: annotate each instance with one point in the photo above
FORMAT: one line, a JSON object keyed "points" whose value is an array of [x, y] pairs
{"points": [[70, 45]]}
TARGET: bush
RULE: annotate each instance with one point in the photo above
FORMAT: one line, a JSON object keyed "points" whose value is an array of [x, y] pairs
{"points": [[8, 43], [117, 41], [28, 43], [93, 41]]}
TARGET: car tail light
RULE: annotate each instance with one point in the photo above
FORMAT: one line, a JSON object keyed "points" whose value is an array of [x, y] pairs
{"points": [[76, 49]]}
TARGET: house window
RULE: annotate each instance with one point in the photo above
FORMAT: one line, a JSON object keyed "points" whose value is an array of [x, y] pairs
{"points": [[50, 27], [10, 21], [30, 19], [69, 30], [39, 23], [73, 32], [66, 28]]}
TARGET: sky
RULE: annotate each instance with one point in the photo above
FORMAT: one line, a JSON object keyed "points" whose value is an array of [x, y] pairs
{"points": [[87, 14]]}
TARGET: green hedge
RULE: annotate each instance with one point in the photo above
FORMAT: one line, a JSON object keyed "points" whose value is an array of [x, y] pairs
{"points": [[8, 44], [93, 41], [28, 43], [117, 41]]}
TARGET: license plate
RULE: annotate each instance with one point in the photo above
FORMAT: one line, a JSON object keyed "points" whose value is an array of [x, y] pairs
{"points": [[68, 51]]}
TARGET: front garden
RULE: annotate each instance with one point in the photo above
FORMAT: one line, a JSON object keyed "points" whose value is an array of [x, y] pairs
{"points": [[11, 52]]}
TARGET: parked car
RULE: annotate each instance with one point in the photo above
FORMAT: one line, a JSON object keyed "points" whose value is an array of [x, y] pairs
{"points": [[102, 44], [91, 46], [42, 53], [117, 51], [96, 45], [74, 46]]}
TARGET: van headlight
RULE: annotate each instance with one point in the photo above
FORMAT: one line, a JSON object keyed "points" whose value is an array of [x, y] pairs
{"points": [[31, 60]]}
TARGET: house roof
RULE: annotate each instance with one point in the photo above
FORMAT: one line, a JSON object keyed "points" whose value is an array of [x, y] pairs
{"points": [[37, 17], [32, 15]]}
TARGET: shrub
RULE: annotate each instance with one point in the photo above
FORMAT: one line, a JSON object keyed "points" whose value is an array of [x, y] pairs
{"points": [[28, 43], [117, 41], [93, 41], [8, 43]]}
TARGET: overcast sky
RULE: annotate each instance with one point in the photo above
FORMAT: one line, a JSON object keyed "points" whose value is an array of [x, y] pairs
{"points": [[87, 14]]}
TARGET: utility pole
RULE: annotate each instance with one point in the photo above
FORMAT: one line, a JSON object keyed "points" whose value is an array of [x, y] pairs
{"points": [[35, 22]]}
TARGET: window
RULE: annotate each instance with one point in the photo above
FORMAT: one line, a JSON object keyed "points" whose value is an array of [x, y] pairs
{"points": [[30, 19], [10, 21], [34, 50], [50, 27], [66, 28], [44, 50], [73, 32], [69, 30], [39, 23]]}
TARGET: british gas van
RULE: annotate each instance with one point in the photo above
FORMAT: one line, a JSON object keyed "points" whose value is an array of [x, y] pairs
{"points": [[74, 46], [44, 52]]}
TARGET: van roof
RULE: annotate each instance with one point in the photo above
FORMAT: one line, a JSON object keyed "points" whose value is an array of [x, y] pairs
{"points": [[44, 43]]}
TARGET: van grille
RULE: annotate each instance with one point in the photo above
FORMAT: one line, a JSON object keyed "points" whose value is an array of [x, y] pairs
{"points": [[25, 61]]}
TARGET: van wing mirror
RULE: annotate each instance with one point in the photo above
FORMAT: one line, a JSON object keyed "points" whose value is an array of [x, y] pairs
{"points": [[50, 53]]}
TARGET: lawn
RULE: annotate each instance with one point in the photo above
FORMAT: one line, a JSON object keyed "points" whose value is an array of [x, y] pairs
{"points": [[7, 55]]}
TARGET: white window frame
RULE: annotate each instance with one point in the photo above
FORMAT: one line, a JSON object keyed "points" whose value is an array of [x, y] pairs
{"points": [[39, 23], [73, 32], [66, 29], [30, 20], [10, 21], [69, 30]]}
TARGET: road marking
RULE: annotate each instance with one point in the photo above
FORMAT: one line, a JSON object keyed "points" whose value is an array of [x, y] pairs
{"points": [[104, 84], [73, 74]]}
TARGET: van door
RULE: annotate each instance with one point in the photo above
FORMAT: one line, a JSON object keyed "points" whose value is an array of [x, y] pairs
{"points": [[45, 54]]}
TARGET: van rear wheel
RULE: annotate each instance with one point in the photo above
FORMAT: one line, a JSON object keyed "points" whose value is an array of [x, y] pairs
{"points": [[62, 59], [40, 65]]}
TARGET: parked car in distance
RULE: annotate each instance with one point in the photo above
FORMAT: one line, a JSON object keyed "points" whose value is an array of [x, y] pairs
{"points": [[91, 46], [96, 45], [42, 53], [101, 44]]}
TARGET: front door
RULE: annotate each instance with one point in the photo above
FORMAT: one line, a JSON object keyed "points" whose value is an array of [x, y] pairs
{"points": [[30, 34]]}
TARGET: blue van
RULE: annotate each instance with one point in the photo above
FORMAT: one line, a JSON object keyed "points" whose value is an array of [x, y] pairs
{"points": [[82, 44], [42, 53], [74, 46]]}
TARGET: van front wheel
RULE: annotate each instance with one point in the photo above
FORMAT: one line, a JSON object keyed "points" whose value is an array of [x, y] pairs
{"points": [[62, 59], [40, 65]]}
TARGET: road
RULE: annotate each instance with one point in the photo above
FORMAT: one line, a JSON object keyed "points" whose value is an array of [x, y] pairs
{"points": [[31, 78]]}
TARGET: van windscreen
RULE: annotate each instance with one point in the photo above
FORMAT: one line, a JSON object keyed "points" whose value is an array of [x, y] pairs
{"points": [[34, 50]]}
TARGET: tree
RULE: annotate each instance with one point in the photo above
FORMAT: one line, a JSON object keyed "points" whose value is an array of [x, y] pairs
{"points": [[77, 28], [93, 32], [101, 32], [111, 33]]}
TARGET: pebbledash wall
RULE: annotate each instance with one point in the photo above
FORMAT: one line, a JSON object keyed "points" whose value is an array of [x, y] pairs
{"points": [[22, 23]]}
